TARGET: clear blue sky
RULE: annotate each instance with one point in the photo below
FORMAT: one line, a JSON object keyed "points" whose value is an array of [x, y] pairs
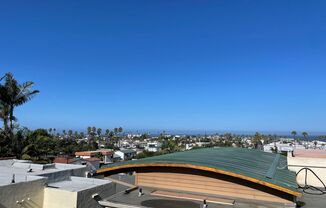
{"points": [[183, 65]]}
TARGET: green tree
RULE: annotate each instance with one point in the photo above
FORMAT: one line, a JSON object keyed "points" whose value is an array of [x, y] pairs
{"points": [[144, 136]]}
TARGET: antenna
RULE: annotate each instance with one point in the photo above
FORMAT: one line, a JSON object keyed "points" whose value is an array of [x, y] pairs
{"points": [[13, 179]]}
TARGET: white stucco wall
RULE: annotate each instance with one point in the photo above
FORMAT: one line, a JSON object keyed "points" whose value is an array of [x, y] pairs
{"points": [[121, 154], [318, 165], [65, 172], [31, 192], [58, 198], [77, 193], [84, 197]]}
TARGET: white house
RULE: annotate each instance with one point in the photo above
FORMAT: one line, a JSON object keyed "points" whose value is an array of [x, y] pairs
{"points": [[126, 154], [153, 147]]}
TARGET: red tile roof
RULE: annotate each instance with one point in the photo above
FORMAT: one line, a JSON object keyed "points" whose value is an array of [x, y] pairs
{"points": [[64, 160], [93, 153], [92, 159]]}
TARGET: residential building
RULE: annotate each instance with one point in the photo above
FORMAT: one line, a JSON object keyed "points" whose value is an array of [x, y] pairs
{"points": [[105, 155], [153, 146], [126, 154], [24, 184]]}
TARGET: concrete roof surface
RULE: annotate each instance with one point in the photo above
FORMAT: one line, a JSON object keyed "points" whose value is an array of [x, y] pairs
{"points": [[78, 184], [20, 169]]}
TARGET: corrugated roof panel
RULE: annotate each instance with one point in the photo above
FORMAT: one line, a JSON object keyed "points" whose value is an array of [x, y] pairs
{"points": [[247, 162]]}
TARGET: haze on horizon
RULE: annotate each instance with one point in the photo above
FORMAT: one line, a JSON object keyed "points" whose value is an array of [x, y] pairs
{"points": [[173, 65]]}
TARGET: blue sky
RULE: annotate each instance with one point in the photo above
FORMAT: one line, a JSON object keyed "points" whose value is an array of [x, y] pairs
{"points": [[174, 65]]}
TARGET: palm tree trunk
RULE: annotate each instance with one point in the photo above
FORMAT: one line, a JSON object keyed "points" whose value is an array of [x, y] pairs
{"points": [[5, 124]]}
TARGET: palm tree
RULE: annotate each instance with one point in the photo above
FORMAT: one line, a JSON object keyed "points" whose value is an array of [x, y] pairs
{"points": [[107, 135], [93, 130], [116, 130], [70, 133], [294, 133], [89, 130], [116, 139], [107, 132], [99, 132], [76, 135], [92, 141], [305, 135], [13, 94], [257, 141], [120, 130]]}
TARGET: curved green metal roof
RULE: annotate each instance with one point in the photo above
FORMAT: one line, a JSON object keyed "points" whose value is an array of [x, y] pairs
{"points": [[265, 167]]}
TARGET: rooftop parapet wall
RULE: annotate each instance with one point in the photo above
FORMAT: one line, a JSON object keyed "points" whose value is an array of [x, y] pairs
{"points": [[29, 193], [309, 159], [77, 192]]}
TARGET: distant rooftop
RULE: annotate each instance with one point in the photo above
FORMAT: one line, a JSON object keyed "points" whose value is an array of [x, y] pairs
{"points": [[126, 151], [94, 153]]}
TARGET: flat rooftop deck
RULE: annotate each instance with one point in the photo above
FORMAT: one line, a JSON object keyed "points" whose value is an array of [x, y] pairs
{"points": [[6, 177], [22, 173], [148, 200], [313, 201], [78, 184]]}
